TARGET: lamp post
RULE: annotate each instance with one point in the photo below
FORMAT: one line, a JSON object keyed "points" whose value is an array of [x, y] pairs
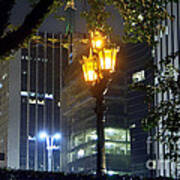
{"points": [[50, 145], [97, 69]]}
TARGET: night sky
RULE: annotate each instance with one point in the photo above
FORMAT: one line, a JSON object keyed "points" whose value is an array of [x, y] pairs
{"points": [[53, 25]]}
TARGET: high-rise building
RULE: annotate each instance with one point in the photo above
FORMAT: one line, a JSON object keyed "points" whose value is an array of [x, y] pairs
{"points": [[169, 43], [136, 58], [30, 102]]}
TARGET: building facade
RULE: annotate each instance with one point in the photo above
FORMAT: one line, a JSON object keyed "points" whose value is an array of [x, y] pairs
{"points": [[169, 43], [34, 87]]}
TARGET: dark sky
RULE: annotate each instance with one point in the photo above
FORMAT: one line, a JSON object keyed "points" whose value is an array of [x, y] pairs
{"points": [[52, 25]]}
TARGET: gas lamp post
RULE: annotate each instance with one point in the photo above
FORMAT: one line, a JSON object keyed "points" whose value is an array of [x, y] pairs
{"points": [[97, 69]]}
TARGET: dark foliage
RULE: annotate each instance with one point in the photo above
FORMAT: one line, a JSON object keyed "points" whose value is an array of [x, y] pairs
{"points": [[35, 175], [11, 41]]}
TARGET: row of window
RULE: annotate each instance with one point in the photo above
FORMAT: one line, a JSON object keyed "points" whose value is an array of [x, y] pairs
{"points": [[111, 134], [114, 148], [39, 95], [34, 59]]}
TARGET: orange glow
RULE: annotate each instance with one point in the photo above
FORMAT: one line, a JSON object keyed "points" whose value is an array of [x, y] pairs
{"points": [[97, 43], [89, 69], [97, 40], [107, 59]]}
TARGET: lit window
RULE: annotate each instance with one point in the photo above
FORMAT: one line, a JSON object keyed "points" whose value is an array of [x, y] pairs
{"points": [[1, 85], [32, 94], [117, 148], [24, 93], [40, 102], [115, 134], [80, 153], [91, 135], [138, 76], [48, 96], [32, 101]]}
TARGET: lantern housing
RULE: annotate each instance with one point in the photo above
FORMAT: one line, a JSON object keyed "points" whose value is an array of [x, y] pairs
{"points": [[107, 59], [97, 41], [89, 66]]}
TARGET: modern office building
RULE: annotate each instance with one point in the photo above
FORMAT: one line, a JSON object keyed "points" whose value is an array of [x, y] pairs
{"points": [[125, 141], [33, 87], [137, 57], [169, 43]]}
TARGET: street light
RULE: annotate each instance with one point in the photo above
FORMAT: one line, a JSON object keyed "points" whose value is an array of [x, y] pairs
{"points": [[50, 145], [97, 69]]}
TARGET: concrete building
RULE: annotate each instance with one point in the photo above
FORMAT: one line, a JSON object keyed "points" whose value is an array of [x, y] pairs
{"points": [[31, 94]]}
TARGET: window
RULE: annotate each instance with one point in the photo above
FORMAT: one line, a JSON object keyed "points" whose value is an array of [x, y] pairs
{"points": [[117, 148], [91, 135], [114, 134], [138, 76], [24, 93], [80, 153]]}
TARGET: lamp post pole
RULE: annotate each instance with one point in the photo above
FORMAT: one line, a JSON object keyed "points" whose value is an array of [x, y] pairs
{"points": [[49, 144], [49, 141], [98, 92], [97, 69]]}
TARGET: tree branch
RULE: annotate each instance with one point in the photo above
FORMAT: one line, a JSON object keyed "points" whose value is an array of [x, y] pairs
{"points": [[5, 9], [13, 40]]}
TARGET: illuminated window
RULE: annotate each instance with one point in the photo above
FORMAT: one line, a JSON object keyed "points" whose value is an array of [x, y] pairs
{"points": [[1, 85], [32, 101], [91, 149], [40, 102], [117, 148], [79, 139], [24, 93], [48, 96], [91, 135], [80, 153], [32, 94], [114, 134], [138, 76]]}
